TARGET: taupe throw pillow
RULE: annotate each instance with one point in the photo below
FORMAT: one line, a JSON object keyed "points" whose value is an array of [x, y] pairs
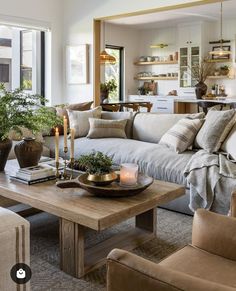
{"points": [[181, 136], [79, 120], [215, 129], [100, 128]]}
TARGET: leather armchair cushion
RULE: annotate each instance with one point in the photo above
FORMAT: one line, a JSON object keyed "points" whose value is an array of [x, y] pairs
{"points": [[215, 233], [201, 264]]}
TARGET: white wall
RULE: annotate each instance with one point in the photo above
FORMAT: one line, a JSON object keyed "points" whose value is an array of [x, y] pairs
{"points": [[34, 12], [78, 29]]}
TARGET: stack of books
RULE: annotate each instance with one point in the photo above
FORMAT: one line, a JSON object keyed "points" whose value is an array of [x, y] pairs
{"points": [[35, 174]]}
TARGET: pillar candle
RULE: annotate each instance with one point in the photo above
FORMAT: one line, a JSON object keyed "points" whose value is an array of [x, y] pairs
{"points": [[65, 131], [57, 145], [72, 142], [128, 174]]}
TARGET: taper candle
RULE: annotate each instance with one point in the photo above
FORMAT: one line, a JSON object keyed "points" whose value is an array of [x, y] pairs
{"points": [[72, 142], [65, 131], [57, 145]]}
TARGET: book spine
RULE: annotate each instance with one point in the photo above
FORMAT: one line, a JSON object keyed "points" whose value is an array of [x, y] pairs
{"points": [[41, 180]]}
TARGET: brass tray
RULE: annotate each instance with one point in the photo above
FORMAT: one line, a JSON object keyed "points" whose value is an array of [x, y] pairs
{"points": [[115, 189]]}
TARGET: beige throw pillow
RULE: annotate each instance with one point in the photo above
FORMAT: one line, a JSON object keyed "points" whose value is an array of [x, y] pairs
{"points": [[229, 145], [100, 128], [181, 136], [79, 120], [215, 130]]}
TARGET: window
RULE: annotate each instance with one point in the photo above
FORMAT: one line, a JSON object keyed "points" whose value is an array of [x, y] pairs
{"points": [[22, 58], [115, 71]]}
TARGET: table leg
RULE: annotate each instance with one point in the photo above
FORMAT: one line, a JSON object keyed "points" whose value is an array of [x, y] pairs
{"points": [[147, 220], [71, 248]]}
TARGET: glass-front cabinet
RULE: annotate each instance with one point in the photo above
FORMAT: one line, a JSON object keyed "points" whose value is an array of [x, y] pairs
{"points": [[189, 57]]}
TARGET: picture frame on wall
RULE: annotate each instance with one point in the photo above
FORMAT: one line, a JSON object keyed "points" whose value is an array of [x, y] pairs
{"points": [[219, 57], [77, 64]]}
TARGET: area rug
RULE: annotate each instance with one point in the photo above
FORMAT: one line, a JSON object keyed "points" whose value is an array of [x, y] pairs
{"points": [[173, 232]]}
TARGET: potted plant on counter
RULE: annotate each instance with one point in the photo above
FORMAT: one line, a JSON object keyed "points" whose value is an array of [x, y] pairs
{"points": [[107, 88], [23, 113], [200, 72], [98, 167]]}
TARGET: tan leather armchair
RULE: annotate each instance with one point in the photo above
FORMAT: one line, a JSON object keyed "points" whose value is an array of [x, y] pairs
{"points": [[209, 263]]}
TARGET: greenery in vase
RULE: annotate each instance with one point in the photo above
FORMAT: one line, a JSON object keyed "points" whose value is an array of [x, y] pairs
{"points": [[19, 109], [108, 86], [95, 163], [201, 71]]}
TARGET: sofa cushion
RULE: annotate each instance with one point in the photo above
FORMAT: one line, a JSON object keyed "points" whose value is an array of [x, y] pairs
{"points": [[190, 260], [128, 115], [215, 129], [229, 145], [79, 120], [150, 127], [181, 136], [155, 160], [100, 128]]}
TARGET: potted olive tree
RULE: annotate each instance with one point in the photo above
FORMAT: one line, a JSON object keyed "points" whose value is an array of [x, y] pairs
{"points": [[19, 111], [106, 88]]}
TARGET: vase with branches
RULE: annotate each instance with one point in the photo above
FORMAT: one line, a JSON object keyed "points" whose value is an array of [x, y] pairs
{"points": [[199, 73]]}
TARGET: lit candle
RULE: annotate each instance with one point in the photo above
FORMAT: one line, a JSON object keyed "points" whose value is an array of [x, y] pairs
{"points": [[128, 174], [65, 131], [72, 142], [57, 145]]}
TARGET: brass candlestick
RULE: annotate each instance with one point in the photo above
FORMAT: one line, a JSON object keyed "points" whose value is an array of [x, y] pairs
{"points": [[57, 171], [72, 163], [65, 176]]}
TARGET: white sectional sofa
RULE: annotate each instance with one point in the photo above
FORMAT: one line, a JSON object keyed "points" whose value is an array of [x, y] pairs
{"points": [[144, 131]]}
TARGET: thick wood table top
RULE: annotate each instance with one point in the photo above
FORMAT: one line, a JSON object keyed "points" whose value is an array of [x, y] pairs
{"points": [[79, 206]]}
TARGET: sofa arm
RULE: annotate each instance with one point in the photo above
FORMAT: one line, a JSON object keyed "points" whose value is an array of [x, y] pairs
{"points": [[126, 272], [233, 204], [214, 233], [14, 246]]}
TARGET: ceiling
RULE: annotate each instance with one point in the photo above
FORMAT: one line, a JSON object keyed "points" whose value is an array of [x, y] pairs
{"points": [[208, 12]]}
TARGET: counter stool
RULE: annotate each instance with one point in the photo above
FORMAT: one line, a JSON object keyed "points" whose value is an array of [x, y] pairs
{"points": [[205, 105]]}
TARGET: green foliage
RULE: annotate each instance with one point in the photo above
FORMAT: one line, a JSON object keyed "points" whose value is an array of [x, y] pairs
{"points": [[19, 109], [108, 86], [143, 90], [95, 163], [224, 68]]}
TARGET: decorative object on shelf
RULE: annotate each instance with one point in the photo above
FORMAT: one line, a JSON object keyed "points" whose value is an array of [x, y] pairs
{"points": [[159, 45], [200, 72], [28, 152], [221, 51], [224, 70], [77, 64], [105, 58], [98, 167], [5, 148], [19, 111], [106, 88], [128, 175]]}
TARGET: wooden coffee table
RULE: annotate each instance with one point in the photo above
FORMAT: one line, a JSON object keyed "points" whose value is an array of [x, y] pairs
{"points": [[78, 210]]}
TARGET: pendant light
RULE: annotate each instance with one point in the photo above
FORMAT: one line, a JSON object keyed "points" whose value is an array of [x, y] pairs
{"points": [[221, 51], [105, 58]]}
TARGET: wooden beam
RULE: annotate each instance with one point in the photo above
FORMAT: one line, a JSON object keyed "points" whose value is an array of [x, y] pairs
{"points": [[96, 62]]}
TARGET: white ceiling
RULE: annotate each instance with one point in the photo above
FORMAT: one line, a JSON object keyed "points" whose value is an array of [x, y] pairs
{"points": [[208, 12]]}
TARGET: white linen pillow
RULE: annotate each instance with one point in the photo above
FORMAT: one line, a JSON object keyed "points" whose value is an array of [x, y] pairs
{"points": [[229, 145], [181, 136], [215, 130], [100, 128], [79, 120]]}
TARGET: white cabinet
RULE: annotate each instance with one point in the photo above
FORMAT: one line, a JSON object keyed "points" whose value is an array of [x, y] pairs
{"points": [[189, 34], [160, 104]]}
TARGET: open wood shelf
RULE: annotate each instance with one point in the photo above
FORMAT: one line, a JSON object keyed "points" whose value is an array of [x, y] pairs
{"points": [[220, 77], [220, 61], [156, 63], [156, 78]]}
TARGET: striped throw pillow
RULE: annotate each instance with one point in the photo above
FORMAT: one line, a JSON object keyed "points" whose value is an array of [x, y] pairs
{"points": [[181, 136]]}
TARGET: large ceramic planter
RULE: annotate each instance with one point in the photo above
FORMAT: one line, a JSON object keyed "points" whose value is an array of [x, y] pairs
{"points": [[28, 152], [5, 147], [200, 89]]}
